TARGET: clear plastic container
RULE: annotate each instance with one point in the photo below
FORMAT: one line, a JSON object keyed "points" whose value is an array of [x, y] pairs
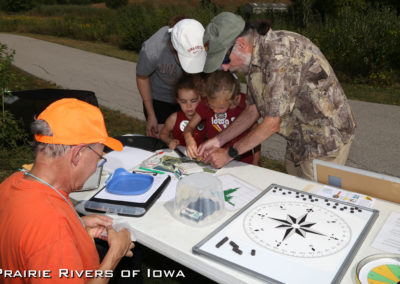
{"points": [[199, 200]]}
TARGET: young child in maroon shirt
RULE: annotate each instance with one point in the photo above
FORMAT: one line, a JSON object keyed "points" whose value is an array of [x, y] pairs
{"points": [[219, 109], [188, 90]]}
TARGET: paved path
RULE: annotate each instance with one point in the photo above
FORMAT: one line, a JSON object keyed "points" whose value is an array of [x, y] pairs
{"points": [[376, 146]]}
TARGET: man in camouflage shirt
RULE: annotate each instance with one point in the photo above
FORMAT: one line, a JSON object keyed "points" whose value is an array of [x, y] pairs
{"points": [[290, 84]]}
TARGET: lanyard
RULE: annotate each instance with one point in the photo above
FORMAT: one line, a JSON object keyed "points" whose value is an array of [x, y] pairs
{"points": [[42, 181]]}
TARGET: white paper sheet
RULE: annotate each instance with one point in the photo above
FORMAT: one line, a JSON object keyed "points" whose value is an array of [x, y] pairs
{"points": [[128, 158], [242, 192], [169, 192], [388, 238]]}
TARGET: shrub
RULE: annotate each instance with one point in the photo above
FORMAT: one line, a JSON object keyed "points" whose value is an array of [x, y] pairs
{"points": [[140, 21], [12, 133], [115, 4], [361, 43], [16, 5]]}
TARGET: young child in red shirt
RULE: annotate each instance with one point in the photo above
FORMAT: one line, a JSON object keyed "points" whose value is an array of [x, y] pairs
{"points": [[188, 97], [219, 109]]}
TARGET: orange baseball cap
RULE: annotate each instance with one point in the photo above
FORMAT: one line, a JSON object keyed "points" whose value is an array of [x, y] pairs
{"points": [[74, 122]]}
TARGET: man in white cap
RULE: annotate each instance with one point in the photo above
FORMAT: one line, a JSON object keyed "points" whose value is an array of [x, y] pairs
{"points": [[160, 64]]}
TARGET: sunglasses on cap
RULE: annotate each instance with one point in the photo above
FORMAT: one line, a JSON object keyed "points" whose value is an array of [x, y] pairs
{"points": [[227, 60]]}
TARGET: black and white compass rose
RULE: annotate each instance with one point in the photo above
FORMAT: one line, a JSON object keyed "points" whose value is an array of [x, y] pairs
{"points": [[296, 225], [297, 229]]}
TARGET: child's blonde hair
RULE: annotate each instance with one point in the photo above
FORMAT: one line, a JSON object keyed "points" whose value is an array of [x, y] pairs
{"points": [[222, 81]]}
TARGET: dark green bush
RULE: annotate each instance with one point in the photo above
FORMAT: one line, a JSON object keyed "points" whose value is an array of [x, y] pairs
{"points": [[361, 43], [16, 5], [140, 21], [12, 133], [72, 10], [115, 4]]}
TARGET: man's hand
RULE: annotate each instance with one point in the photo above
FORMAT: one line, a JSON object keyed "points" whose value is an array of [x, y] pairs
{"points": [[206, 148], [218, 158], [152, 127], [119, 242], [96, 224]]}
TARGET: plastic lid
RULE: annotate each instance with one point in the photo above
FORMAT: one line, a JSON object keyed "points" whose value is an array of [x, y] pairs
{"points": [[125, 183], [199, 199]]}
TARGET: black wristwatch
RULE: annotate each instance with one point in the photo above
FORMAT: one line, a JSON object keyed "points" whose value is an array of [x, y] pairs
{"points": [[233, 153]]}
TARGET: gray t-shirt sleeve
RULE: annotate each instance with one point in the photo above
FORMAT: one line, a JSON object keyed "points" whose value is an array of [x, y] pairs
{"points": [[151, 51], [158, 62], [146, 65]]}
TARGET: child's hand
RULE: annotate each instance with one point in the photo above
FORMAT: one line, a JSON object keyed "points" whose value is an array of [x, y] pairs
{"points": [[191, 150], [173, 143]]}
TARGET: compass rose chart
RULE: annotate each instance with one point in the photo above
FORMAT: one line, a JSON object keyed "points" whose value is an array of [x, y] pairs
{"points": [[297, 229], [289, 236]]}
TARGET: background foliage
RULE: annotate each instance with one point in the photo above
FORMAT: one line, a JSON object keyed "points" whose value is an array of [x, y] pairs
{"points": [[115, 4], [12, 133], [360, 38]]}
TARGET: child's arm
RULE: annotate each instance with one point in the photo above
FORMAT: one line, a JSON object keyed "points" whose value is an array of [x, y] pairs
{"points": [[191, 145], [166, 132]]}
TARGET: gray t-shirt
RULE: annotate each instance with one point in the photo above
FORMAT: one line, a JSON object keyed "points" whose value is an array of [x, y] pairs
{"points": [[158, 61]]}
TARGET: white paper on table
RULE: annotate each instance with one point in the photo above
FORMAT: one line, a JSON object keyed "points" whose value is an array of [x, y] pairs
{"points": [[388, 238], [128, 158], [347, 196], [169, 192], [243, 194]]}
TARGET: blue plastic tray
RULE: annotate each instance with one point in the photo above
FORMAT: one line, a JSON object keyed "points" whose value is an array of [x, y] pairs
{"points": [[123, 182]]}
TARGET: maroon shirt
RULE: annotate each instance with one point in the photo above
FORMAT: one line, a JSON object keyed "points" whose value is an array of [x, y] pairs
{"points": [[215, 123], [180, 125]]}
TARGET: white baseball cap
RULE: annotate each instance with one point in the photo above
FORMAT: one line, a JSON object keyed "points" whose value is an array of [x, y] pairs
{"points": [[187, 39]]}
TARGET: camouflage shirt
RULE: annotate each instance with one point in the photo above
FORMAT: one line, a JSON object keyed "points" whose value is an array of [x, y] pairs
{"points": [[289, 77]]}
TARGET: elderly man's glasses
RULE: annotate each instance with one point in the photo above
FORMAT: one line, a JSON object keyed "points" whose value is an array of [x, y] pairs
{"points": [[227, 60], [100, 156]]}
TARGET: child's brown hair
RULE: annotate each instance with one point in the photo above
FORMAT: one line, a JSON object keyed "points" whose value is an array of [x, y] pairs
{"points": [[191, 82], [222, 81]]}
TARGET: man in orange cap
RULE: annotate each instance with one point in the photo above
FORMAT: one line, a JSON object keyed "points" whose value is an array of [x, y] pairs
{"points": [[42, 238]]}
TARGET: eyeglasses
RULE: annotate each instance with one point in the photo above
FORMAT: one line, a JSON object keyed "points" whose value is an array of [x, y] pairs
{"points": [[100, 156], [227, 60]]}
